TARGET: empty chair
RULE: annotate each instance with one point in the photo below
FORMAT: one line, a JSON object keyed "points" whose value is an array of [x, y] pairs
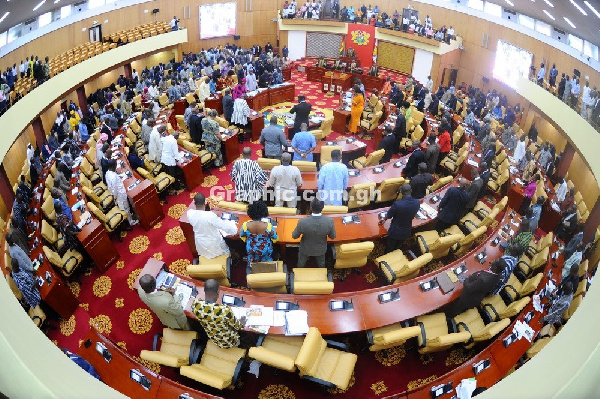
{"points": [[218, 368], [528, 265], [267, 163], [233, 206], [431, 242], [321, 364], [388, 189], [416, 136], [281, 210], [465, 244], [161, 182], [471, 322], [514, 289], [334, 210], [471, 222], [372, 121], [544, 242], [326, 153], [275, 281], [441, 182], [277, 351], [177, 348], [496, 184], [373, 159], [453, 166], [51, 236], [352, 255], [361, 195], [104, 200], [482, 209], [373, 105], [305, 166], [494, 307], [218, 268], [305, 280], [66, 263], [112, 219], [325, 129], [390, 336], [435, 335], [48, 209], [396, 267]]}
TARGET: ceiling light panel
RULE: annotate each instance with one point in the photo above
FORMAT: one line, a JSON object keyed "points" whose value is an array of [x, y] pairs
{"points": [[570, 23], [587, 3], [581, 10], [41, 3], [549, 15]]}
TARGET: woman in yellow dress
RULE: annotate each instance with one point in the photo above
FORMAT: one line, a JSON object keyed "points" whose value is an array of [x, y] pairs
{"points": [[358, 104]]}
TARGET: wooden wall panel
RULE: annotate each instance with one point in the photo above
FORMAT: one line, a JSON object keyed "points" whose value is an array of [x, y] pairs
{"points": [[13, 162], [396, 57], [584, 180]]}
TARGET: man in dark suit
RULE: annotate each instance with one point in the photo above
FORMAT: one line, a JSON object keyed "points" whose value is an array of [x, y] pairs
{"points": [[195, 126], [475, 288], [400, 127], [452, 205], [484, 174], [402, 213], [432, 153], [314, 231], [227, 105], [302, 110], [388, 143], [420, 182], [473, 190], [414, 160], [106, 129]]}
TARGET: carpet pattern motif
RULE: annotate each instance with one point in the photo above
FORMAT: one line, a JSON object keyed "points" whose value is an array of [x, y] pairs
{"points": [[109, 303]]}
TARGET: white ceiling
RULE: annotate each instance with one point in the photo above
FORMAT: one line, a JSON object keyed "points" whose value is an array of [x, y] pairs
{"points": [[587, 27]]}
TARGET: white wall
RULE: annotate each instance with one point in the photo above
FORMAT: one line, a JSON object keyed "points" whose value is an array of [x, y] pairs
{"points": [[422, 65], [297, 44]]}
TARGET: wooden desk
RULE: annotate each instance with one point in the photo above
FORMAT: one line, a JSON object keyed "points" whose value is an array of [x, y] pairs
{"points": [[317, 74], [341, 81], [368, 312], [281, 93], [259, 100], [229, 147], [340, 120], [257, 124], [215, 102], [179, 107], [287, 74], [350, 151], [192, 171]]}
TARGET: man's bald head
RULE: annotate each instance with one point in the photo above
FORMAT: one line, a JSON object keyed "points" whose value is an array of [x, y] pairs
{"points": [[463, 183], [247, 152], [286, 158]]}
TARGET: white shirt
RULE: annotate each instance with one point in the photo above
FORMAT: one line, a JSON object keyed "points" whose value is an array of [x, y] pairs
{"points": [[30, 151], [561, 191], [429, 85], [170, 152], [117, 189], [173, 22], [153, 91], [135, 75], [285, 177], [208, 238], [155, 145], [203, 91], [519, 151]]}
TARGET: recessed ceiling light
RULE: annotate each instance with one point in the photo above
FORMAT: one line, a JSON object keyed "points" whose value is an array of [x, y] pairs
{"points": [[570, 23], [581, 10], [510, 3], [549, 15], [550, 4], [4, 16], [41, 3], [592, 8]]}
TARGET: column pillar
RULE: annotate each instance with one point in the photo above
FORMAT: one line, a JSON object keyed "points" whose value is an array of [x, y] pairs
{"points": [[6, 191], [128, 71], [592, 223], [565, 161], [38, 131], [82, 99]]}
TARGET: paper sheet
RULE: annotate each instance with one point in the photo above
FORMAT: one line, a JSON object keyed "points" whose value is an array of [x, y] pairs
{"points": [[259, 316], [296, 322], [523, 330], [278, 318], [183, 293], [465, 389]]}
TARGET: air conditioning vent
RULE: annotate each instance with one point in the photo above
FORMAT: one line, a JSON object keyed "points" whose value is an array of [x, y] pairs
{"points": [[511, 12]]}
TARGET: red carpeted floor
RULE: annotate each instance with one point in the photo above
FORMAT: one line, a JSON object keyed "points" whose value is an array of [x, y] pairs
{"points": [[109, 303]]}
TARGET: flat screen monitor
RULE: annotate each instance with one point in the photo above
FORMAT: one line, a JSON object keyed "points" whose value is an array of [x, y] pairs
{"points": [[217, 20], [511, 63]]}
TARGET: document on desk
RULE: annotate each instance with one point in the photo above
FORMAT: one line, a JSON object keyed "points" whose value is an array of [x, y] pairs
{"points": [[258, 315], [472, 163], [523, 330], [183, 293], [296, 322], [427, 209]]}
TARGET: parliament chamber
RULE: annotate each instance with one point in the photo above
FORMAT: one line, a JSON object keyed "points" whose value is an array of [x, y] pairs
{"points": [[393, 331]]}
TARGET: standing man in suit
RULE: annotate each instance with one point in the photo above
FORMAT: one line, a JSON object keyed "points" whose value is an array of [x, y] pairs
{"points": [[432, 153], [314, 231], [452, 205], [227, 105], [195, 126], [163, 303], [400, 127], [473, 190], [475, 288], [414, 160], [302, 110], [273, 139], [106, 129], [402, 213], [420, 182], [388, 143]]}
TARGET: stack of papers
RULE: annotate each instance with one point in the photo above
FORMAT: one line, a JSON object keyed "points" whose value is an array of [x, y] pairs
{"points": [[183, 293], [296, 322], [428, 210], [359, 144], [523, 330]]}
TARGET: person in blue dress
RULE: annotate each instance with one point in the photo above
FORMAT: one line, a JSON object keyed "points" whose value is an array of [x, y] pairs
{"points": [[304, 143], [333, 180], [259, 236]]}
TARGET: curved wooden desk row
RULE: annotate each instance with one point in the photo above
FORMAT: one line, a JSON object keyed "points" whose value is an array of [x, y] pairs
{"points": [[117, 372], [368, 312], [368, 228]]}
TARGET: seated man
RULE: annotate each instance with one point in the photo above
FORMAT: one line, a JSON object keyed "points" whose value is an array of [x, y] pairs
{"points": [[167, 308]]}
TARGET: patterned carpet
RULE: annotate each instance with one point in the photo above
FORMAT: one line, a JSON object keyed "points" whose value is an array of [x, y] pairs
{"points": [[109, 303]]}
